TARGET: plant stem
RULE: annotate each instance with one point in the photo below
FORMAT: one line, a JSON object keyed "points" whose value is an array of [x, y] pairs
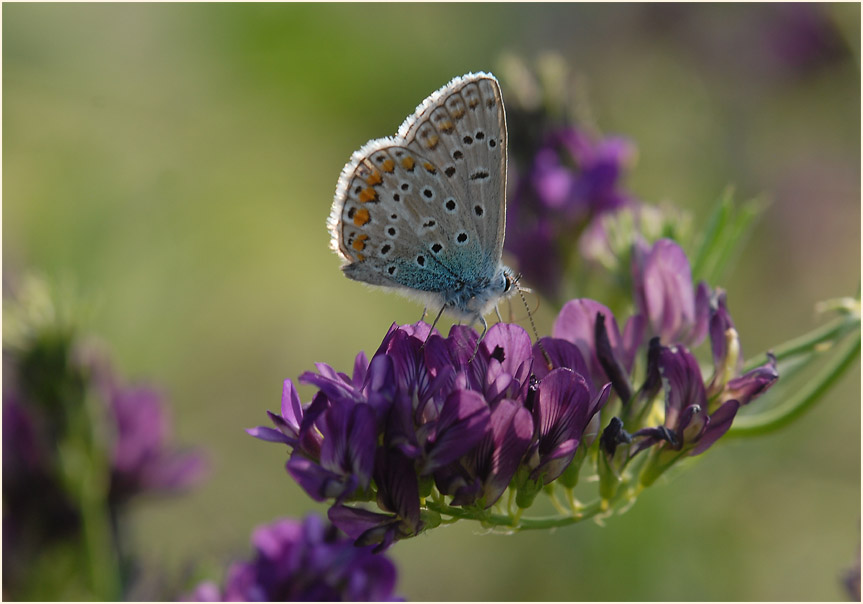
{"points": [[808, 342], [594, 508], [795, 406]]}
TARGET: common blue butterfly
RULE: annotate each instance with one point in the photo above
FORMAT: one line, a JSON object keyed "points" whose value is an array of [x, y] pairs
{"points": [[424, 212]]}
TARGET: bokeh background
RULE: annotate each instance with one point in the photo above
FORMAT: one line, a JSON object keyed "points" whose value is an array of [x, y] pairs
{"points": [[177, 162]]}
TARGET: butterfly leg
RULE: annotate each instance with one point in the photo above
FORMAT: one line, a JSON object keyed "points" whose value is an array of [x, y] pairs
{"points": [[481, 336], [497, 312], [425, 310]]}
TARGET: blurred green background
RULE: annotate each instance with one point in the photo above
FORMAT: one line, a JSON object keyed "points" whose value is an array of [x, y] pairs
{"points": [[178, 161]]}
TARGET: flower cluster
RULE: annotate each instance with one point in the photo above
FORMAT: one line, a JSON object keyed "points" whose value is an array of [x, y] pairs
{"points": [[426, 412], [304, 561], [78, 445], [431, 417]]}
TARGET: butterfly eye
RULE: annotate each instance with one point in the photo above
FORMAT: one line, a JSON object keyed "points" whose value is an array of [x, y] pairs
{"points": [[507, 283]]}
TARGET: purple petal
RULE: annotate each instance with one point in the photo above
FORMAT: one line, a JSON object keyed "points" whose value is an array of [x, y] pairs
{"points": [[561, 414], [669, 300], [576, 323], [361, 365], [610, 362], [633, 334], [683, 383], [175, 471], [753, 384], [555, 461], [561, 353], [380, 385], [205, 592], [702, 315], [349, 441], [292, 409], [462, 423], [509, 344], [398, 490], [720, 323], [319, 483], [503, 448], [270, 435], [718, 425], [356, 521]]}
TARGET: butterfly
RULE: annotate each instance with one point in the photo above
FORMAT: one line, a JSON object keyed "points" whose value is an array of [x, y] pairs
{"points": [[423, 212]]}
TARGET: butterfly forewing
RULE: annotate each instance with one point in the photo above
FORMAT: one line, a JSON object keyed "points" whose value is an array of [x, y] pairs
{"points": [[425, 209], [462, 127]]}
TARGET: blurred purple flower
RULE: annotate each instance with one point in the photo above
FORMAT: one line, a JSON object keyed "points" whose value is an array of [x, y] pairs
{"points": [[304, 561], [141, 459], [570, 179], [662, 281]]}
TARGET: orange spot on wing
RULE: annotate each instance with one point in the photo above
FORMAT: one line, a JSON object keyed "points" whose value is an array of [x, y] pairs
{"points": [[430, 167], [374, 178], [408, 163], [359, 243], [361, 217], [368, 195], [446, 126], [388, 166], [432, 141]]}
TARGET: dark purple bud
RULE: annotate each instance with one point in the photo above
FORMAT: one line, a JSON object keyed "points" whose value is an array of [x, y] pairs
{"points": [[612, 436], [610, 363], [683, 383]]}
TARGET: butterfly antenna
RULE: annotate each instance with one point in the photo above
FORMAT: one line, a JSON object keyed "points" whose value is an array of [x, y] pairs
{"points": [[532, 324]]}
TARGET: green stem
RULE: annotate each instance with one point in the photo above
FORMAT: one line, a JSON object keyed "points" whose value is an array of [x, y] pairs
{"points": [[795, 406], [808, 342], [595, 508]]}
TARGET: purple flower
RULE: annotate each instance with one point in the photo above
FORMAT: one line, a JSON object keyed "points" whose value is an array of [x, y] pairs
{"points": [[727, 383], [577, 324], [304, 561], [688, 426], [569, 179], [347, 449], [662, 281], [141, 459], [398, 496], [484, 474], [562, 411]]}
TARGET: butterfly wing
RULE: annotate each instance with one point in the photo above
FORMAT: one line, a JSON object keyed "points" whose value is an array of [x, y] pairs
{"points": [[425, 210], [462, 129]]}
